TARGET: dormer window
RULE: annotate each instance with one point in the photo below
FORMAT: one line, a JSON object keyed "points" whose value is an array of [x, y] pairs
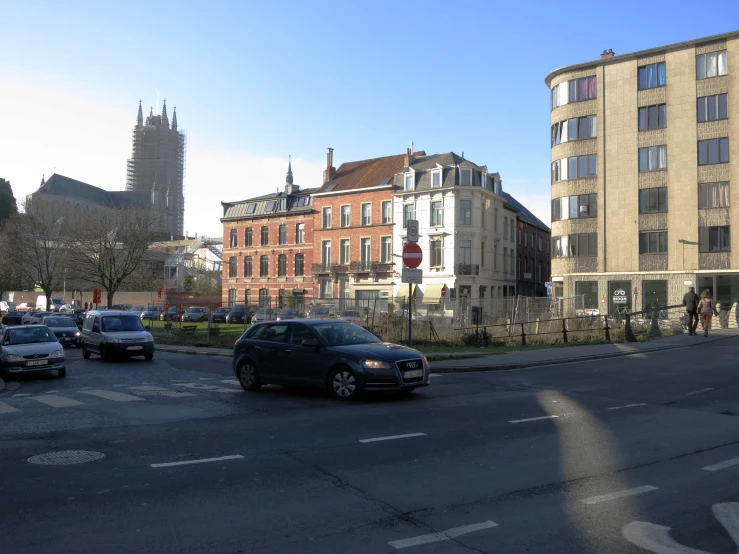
{"points": [[465, 177], [436, 178], [409, 181], [250, 208], [270, 206]]}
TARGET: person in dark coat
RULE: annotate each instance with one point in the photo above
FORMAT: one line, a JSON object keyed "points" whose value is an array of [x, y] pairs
{"points": [[690, 301]]}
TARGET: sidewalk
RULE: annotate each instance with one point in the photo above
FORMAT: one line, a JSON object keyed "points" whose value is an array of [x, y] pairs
{"points": [[527, 358]]}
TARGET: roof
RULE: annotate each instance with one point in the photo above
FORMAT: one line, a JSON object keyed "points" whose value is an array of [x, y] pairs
{"points": [[422, 166], [284, 204], [523, 213], [641, 54], [65, 186], [362, 174]]}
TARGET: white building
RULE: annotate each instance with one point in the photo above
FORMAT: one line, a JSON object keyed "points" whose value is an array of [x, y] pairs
{"points": [[465, 232]]}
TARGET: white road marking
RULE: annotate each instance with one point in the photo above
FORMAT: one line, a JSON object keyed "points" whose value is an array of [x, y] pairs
{"points": [[442, 535], [57, 401], [699, 391], [7, 409], [618, 494], [532, 419], [437, 375], [160, 391], [231, 381], [393, 437], [23, 394], [627, 406], [114, 396], [203, 386], [200, 461], [722, 465]]}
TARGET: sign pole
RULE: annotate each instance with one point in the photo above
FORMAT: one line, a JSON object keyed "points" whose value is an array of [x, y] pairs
{"points": [[410, 314]]}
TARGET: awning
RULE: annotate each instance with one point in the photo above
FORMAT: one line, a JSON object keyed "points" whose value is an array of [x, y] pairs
{"points": [[432, 294]]}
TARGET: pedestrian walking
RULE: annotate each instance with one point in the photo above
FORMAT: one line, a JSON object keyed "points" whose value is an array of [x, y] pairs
{"points": [[706, 309], [690, 301], [85, 306]]}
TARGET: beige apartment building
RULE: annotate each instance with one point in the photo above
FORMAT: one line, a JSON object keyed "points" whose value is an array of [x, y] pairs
{"points": [[645, 153]]}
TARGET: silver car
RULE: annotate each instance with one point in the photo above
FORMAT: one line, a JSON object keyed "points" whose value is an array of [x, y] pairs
{"points": [[31, 348]]}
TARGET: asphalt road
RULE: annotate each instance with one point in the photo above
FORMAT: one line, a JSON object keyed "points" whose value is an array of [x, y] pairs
{"points": [[585, 457]]}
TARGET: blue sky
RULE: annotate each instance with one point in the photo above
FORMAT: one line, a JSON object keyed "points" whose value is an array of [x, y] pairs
{"points": [[254, 82]]}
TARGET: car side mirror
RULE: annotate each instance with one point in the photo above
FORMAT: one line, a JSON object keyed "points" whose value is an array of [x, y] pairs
{"points": [[147, 328], [311, 343]]}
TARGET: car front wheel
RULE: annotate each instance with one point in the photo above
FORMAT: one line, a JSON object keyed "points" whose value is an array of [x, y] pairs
{"points": [[249, 376], [343, 384]]}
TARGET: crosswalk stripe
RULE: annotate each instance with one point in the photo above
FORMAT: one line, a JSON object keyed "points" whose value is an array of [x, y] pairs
{"points": [[7, 409], [231, 381], [203, 386], [160, 391], [56, 401], [114, 396]]}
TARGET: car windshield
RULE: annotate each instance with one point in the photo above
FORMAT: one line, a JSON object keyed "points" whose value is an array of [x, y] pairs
{"points": [[59, 322], [339, 334], [122, 323], [320, 311], [238, 310], [29, 335], [222, 310], [288, 312], [195, 310]]}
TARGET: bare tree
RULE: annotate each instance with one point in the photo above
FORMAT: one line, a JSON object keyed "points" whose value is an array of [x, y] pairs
{"points": [[112, 247], [34, 243]]}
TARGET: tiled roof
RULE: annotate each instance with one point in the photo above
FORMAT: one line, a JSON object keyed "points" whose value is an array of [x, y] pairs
{"points": [[366, 173], [523, 213], [240, 209], [64, 186]]}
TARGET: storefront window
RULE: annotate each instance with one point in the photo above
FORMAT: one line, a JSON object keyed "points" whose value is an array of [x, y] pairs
{"points": [[619, 297], [654, 294], [589, 291]]}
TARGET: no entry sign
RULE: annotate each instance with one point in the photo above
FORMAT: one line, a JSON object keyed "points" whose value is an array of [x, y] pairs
{"points": [[412, 255]]}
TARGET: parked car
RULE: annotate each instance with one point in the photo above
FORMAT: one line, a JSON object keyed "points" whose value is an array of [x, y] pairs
{"points": [[55, 303], [36, 318], [355, 316], [219, 315], [31, 348], [288, 313], [12, 318], [172, 314], [196, 313], [65, 329], [264, 314], [68, 308], [240, 314], [113, 333], [322, 311], [26, 320], [317, 353], [25, 307], [151, 313], [78, 316], [6, 306], [137, 309]]}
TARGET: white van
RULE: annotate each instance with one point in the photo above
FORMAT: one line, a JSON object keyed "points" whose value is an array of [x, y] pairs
{"points": [[54, 305], [115, 333]]}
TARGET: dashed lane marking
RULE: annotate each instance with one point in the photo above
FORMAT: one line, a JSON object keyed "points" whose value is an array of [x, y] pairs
{"points": [[699, 391], [7, 409], [393, 437], [200, 461], [533, 419], [231, 381], [114, 396], [627, 406], [149, 390], [618, 494], [443, 535], [722, 465], [56, 401]]}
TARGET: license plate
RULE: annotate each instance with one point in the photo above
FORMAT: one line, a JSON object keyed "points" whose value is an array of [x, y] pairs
{"points": [[38, 362], [412, 374], [135, 348]]}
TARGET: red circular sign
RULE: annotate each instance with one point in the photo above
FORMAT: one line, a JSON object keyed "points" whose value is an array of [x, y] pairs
{"points": [[412, 255], [444, 290]]}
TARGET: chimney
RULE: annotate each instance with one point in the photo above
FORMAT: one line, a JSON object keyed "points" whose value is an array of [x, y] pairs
{"points": [[330, 170], [607, 54], [408, 160]]}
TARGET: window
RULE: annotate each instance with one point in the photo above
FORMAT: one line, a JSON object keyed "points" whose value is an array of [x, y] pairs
{"points": [[247, 267], [248, 297], [232, 297], [581, 89], [327, 217], [525, 238], [574, 129], [410, 181], [653, 243], [326, 288], [465, 176], [713, 195], [265, 235], [465, 252], [541, 242], [367, 214], [588, 290], [482, 254], [299, 265], [652, 75], [505, 227], [300, 233], [714, 239], [250, 208], [345, 216], [326, 253], [387, 211], [264, 297], [577, 167], [653, 117], [283, 203], [436, 213], [513, 230], [247, 237], [263, 266], [653, 158], [270, 206], [386, 249], [711, 65], [713, 151], [409, 212], [233, 241], [436, 178], [653, 200], [495, 257], [505, 260], [365, 252], [283, 234], [281, 265], [579, 245], [232, 266], [344, 253], [713, 108], [495, 220], [435, 250], [304, 201], [465, 212]]}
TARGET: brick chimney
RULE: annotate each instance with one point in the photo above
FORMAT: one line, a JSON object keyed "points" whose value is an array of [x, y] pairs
{"points": [[607, 54], [330, 170]]}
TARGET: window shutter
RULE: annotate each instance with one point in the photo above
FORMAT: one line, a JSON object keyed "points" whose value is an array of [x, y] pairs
{"points": [[703, 240]]}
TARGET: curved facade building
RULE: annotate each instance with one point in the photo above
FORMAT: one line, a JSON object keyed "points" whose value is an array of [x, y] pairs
{"points": [[644, 157]]}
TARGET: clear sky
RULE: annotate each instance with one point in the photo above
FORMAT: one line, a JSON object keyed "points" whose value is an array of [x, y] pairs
{"points": [[256, 81]]}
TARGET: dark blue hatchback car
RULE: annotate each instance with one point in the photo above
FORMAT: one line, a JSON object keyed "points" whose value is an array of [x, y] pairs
{"points": [[338, 355]]}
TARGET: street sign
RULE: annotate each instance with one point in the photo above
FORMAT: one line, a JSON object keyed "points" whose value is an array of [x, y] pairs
{"points": [[414, 276], [411, 227], [548, 284], [412, 254], [444, 290]]}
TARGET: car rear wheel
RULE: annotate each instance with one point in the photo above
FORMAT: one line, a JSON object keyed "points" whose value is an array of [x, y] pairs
{"points": [[343, 384], [249, 376]]}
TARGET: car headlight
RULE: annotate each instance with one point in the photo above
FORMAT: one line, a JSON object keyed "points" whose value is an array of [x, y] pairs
{"points": [[13, 358], [57, 354], [77, 334], [425, 361], [114, 341], [149, 339], [375, 364]]}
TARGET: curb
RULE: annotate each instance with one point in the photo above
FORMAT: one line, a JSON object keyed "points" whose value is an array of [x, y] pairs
{"points": [[193, 353]]}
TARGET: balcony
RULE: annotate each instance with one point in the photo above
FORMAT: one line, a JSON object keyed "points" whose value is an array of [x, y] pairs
{"points": [[321, 268], [361, 267], [468, 269], [382, 267], [340, 269]]}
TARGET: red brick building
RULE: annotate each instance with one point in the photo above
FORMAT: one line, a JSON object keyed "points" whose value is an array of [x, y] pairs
{"points": [[268, 249], [353, 232]]}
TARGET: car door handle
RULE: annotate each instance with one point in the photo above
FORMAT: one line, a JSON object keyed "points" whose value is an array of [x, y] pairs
{"points": [[257, 348]]}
